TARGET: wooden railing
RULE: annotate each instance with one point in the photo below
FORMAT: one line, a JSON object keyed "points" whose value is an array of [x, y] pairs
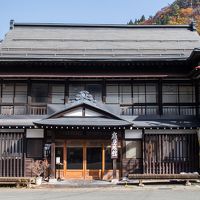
{"points": [[170, 153], [139, 110], [176, 110], [153, 110], [37, 110], [7, 110], [167, 167]]}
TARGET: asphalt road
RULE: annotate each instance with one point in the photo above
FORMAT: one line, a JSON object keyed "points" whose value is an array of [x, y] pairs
{"points": [[182, 193]]}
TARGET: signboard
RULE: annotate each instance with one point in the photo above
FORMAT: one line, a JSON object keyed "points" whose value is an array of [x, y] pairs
{"points": [[57, 160], [34, 133], [114, 143]]}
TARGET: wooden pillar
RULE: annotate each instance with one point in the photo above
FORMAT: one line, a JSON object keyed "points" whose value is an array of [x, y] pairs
{"points": [[114, 153], [65, 158], [29, 97], [1, 89], [196, 84], [53, 163], [66, 95], [124, 170], [160, 110], [114, 168], [132, 97], [103, 161], [84, 160], [143, 153], [24, 150], [1, 157], [104, 91]]}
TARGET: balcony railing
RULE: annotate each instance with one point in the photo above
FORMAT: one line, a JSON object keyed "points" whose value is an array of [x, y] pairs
{"points": [[139, 110], [179, 110], [125, 110], [22, 110], [6, 110], [153, 110], [37, 110]]}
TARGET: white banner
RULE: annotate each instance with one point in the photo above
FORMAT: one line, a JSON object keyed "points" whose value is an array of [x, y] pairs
{"points": [[114, 144]]}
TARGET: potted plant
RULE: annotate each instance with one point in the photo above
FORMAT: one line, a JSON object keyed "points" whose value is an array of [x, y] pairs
{"points": [[38, 167]]}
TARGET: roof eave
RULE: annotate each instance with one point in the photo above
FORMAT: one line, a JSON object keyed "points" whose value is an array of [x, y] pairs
{"points": [[24, 59]]}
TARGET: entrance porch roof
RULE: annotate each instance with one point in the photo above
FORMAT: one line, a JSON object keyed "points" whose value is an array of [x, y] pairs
{"points": [[84, 111]]}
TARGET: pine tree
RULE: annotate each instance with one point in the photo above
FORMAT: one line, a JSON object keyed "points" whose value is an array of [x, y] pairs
{"points": [[130, 22], [142, 19]]}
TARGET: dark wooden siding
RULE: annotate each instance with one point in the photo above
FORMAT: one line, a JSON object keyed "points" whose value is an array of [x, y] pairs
{"points": [[28, 171], [131, 166], [170, 153], [11, 154]]}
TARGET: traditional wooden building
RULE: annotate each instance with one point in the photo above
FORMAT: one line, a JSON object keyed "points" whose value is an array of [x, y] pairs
{"points": [[71, 93]]}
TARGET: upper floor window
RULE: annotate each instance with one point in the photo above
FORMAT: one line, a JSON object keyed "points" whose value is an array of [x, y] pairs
{"points": [[47, 93], [8, 93], [144, 93], [21, 93], [56, 93], [118, 94], [39, 93], [122, 94], [174, 93], [186, 94], [14, 93]]}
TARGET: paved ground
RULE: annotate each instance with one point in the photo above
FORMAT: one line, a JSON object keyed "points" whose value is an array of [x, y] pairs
{"points": [[164, 192]]}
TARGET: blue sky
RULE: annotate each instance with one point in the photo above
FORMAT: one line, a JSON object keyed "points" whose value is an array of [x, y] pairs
{"points": [[76, 11]]}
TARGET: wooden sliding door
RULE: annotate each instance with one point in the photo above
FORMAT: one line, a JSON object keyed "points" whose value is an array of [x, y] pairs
{"points": [[84, 160]]}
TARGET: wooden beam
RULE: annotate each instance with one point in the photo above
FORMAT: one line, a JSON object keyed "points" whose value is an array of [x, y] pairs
{"points": [[114, 168], [66, 95], [104, 90], [53, 163], [196, 84], [160, 100], [65, 158], [103, 161], [84, 159]]}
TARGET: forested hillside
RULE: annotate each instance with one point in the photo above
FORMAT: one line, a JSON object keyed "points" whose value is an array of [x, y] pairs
{"points": [[179, 12]]}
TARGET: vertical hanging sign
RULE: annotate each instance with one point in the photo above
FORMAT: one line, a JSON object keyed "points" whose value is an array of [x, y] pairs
{"points": [[114, 143]]}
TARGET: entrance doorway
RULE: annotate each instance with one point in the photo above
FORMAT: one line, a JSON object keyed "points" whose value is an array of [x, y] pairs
{"points": [[84, 160]]}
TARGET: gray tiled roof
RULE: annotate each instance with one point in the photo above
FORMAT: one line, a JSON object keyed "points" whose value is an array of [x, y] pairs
{"points": [[17, 122], [114, 111], [21, 120], [86, 42], [166, 124], [109, 118], [80, 121]]}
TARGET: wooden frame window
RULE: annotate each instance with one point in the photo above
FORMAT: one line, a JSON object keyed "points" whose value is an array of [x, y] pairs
{"points": [[134, 149], [178, 99], [34, 148], [56, 93], [39, 92], [119, 93], [14, 98]]}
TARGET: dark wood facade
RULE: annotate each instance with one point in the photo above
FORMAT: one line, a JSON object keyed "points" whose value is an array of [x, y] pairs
{"points": [[12, 154], [170, 154], [149, 86]]}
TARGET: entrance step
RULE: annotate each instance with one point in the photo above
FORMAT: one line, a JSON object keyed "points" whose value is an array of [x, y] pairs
{"points": [[78, 184]]}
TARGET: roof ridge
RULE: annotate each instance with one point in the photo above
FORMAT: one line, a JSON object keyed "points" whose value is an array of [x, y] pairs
{"points": [[82, 25]]}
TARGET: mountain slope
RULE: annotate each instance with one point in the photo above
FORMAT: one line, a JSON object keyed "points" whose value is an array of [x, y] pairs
{"points": [[179, 12]]}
